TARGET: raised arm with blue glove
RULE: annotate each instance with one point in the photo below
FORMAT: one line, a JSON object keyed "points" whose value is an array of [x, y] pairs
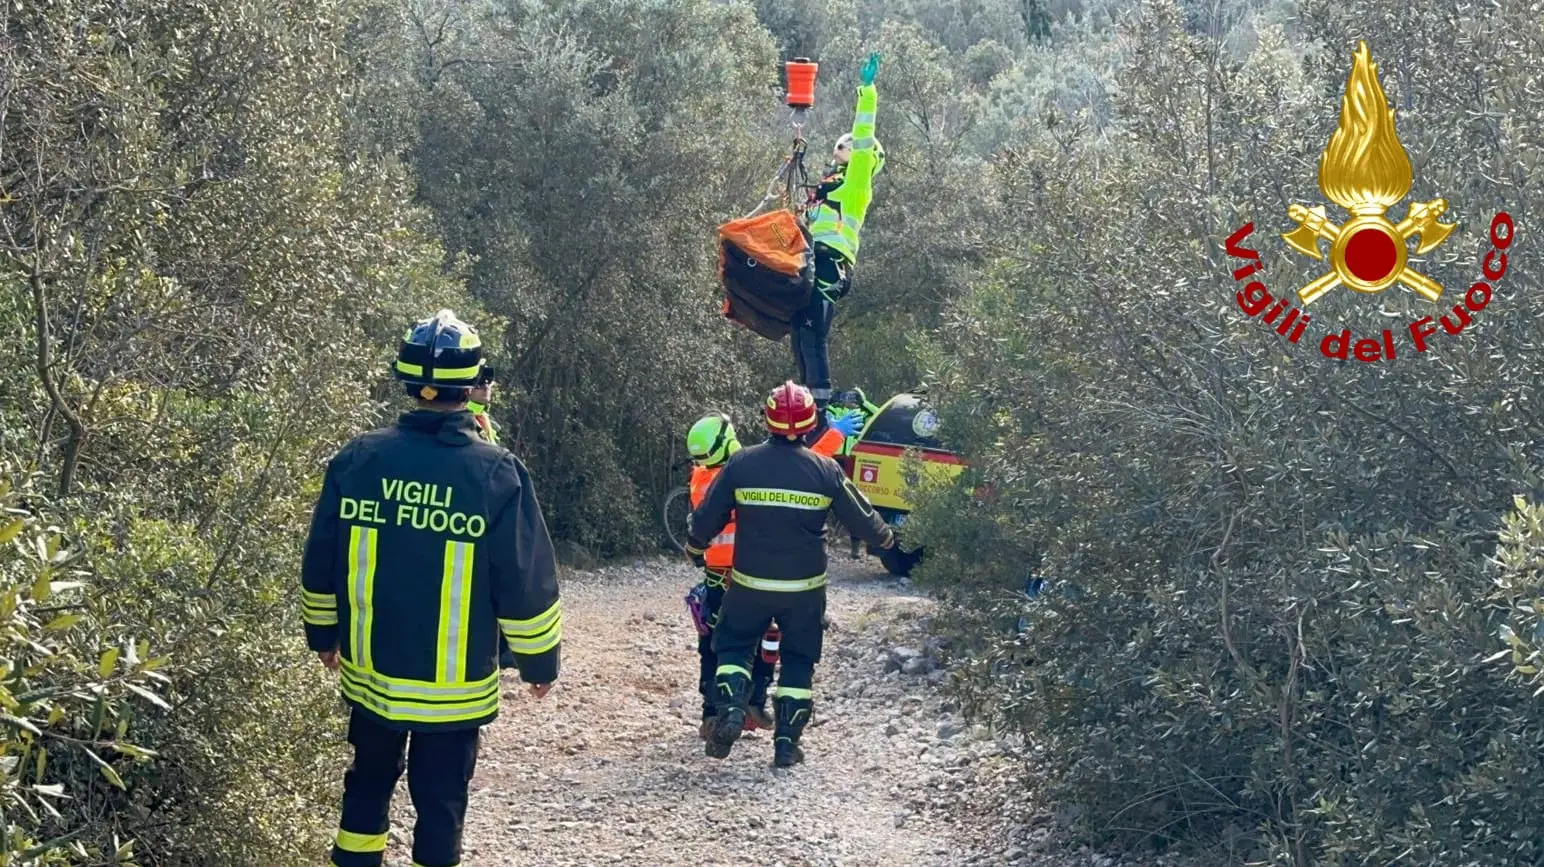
{"points": [[870, 68], [848, 424]]}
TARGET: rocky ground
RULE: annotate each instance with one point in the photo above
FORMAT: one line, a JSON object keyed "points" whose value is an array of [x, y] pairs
{"points": [[608, 768]]}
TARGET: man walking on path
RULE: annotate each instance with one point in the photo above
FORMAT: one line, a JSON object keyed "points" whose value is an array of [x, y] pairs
{"points": [[711, 442], [426, 545], [779, 493]]}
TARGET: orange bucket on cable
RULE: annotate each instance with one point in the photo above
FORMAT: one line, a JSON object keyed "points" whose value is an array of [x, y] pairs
{"points": [[801, 82]]}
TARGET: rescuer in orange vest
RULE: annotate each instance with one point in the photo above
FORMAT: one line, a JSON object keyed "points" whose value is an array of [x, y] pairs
{"points": [[711, 442]]}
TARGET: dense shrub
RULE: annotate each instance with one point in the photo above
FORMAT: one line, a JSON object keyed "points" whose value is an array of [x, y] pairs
{"points": [[200, 281], [1292, 609], [1277, 604], [72, 680]]}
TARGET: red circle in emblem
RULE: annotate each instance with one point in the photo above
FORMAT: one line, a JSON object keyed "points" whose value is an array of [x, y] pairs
{"points": [[1371, 254]]}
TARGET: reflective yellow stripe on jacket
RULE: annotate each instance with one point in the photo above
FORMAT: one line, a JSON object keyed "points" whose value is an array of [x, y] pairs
{"points": [[782, 498], [449, 698], [779, 585], [318, 609], [361, 584], [535, 635], [404, 700], [839, 232], [455, 612]]}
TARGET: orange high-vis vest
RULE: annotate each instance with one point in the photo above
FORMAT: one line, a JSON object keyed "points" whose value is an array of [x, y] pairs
{"points": [[720, 553]]}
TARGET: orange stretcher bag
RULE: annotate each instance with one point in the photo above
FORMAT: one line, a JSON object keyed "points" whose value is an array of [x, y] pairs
{"points": [[767, 266]]}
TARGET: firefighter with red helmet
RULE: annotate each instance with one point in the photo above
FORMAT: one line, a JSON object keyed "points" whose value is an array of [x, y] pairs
{"points": [[779, 494], [711, 442]]}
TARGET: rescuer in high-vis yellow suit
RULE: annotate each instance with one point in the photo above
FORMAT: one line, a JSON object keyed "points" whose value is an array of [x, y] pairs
{"points": [[426, 545], [842, 203]]}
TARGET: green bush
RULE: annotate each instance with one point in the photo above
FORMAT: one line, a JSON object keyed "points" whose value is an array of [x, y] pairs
{"points": [[1271, 603], [73, 679], [1520, 593], [204, 281]]}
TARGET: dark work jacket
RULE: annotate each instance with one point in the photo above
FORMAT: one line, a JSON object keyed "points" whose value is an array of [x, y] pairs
{"points": [[780, 492], [426, 543]]}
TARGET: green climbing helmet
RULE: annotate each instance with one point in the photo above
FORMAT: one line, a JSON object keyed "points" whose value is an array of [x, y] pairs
{"points": [[711, 441]]}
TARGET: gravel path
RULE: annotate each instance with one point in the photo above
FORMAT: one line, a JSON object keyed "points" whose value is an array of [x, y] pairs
{"points": [[608, 768]]}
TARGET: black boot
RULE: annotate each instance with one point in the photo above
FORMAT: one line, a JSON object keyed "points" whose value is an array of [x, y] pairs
{"points": [[733, 691], [792, 714]]}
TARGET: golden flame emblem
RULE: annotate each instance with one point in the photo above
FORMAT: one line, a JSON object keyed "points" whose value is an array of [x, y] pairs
{"points": [[1365, 170]]}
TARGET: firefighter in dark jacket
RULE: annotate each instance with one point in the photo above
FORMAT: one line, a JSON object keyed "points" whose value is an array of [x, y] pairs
{"points": [[426, 545], [779, 493]]}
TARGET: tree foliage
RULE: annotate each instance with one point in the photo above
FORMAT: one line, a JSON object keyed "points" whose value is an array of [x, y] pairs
{"points": [[1293, 604], [580, 153], [198, 277], [1276, 627]]}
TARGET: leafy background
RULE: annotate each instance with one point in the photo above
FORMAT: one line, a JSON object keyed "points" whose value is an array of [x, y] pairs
{"points": [[1293, 610]]}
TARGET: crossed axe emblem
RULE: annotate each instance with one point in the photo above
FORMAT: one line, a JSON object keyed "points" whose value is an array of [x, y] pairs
{"points": [[1368, 253]]}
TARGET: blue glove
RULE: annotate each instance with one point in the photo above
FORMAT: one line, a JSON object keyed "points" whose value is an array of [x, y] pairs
{"points": [[848, 424], [871, 68]]}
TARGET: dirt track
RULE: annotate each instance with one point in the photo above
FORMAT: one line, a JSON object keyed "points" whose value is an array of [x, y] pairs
{"points": [[608, 768]]}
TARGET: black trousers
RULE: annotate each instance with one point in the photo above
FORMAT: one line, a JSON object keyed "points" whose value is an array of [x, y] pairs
{"points": [[761, 670], [439, 766], [800, 614], [811, 335]]}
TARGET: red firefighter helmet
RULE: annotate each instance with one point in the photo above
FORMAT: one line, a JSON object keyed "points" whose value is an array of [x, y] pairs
{"points": [[791, 410]]}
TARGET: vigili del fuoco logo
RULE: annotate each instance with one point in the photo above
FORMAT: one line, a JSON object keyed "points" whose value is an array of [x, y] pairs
{"points": [[1364, 169]]}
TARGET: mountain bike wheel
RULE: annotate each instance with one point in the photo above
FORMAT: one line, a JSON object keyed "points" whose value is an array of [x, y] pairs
{"points": [[673, 513]]}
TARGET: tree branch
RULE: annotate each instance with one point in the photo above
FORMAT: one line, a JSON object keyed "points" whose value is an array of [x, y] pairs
{"points": [[77, 427], [257, 497], [1227, 628], [1452, 468]]}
